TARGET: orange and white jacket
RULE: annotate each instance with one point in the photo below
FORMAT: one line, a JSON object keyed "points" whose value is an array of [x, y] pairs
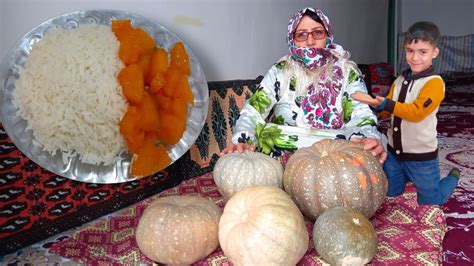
{"points": [[413, 103]]}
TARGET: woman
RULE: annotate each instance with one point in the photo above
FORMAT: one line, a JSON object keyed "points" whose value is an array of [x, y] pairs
{"points": [[305, 96]]}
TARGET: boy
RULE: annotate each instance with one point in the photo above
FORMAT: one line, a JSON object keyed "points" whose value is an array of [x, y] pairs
{"points": [[412, 103]]}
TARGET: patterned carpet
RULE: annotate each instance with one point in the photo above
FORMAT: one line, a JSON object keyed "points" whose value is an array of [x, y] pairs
{"points": [[456, 127], [110, 239]]}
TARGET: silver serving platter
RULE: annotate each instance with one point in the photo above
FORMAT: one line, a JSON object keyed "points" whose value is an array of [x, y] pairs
{"points": [[15, 126]]}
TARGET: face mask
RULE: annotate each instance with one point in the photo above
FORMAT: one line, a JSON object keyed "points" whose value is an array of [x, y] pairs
{"points": [[311, 58]]}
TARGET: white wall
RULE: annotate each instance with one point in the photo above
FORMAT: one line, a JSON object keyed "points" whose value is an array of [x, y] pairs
{"points": [[453, 17], [232, 39]]}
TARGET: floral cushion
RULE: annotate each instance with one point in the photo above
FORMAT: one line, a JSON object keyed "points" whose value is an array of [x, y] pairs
{"points": [[380, 90], [381, 74]]}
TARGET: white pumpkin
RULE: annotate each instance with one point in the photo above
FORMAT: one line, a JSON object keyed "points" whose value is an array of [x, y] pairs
{"points": [[236, 171], [179, 229], [262, 226]]}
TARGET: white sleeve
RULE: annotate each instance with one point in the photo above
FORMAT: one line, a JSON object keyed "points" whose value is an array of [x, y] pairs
{"points": [[256, 109]]}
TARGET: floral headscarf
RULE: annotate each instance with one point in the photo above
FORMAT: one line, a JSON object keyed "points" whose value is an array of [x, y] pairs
{"points": [[319, 104], [311, 57]]}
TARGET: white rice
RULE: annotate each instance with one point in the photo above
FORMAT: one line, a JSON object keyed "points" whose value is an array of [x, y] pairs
{"points": [[69, 94]]}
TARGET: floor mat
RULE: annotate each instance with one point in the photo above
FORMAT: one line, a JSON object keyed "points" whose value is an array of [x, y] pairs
{"points": [[408, 233]]}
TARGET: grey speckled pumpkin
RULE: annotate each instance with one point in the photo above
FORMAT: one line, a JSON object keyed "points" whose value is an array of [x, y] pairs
{"points": [[235, 171], [334, 173], [344, 236]]}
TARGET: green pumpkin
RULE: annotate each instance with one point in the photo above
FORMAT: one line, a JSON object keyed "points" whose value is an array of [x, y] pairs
{"points": [[334, 173], [344, 236]]}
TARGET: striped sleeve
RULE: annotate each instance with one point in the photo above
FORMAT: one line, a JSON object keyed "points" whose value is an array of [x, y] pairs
{"points": [[429, 98]]}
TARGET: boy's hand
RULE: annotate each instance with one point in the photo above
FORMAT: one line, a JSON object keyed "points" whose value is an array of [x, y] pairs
{"points": [[367, 99]]}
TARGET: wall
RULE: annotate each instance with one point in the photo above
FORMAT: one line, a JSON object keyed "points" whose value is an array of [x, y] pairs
{"points": [[232, 39], [453, 17]]}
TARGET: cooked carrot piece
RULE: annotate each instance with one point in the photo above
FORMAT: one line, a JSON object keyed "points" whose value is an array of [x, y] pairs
{"points": [[145, 41], [158, 64], [163, 102], [179, 107], [134, 137], [183, 90], [121, 28], [180, 59], [172, 77], [149, 160], [148, 112], [131, 80], [157, 83], [134, 44], [157, 89], [144, 63], [171, 128]]}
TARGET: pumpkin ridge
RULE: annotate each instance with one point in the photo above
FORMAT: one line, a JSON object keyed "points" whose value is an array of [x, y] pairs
{"points": [[364, 194], [273, 232], [265, 216], [334, 175]]}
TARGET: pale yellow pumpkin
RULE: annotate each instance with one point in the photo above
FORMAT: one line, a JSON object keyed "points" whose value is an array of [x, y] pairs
{"points": [[179, 229], [262, 226], [334, 173], [236, 171]]}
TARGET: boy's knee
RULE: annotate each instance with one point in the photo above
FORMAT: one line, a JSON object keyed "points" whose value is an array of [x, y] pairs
{"points": [[429, 197], [395, 191]]}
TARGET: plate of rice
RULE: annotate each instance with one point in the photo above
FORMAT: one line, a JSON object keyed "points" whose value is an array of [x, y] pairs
{"points": [[61, 103]]}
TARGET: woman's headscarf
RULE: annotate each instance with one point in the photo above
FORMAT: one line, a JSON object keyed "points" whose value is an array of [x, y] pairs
{"points": [[312, 57], [319, 104]]}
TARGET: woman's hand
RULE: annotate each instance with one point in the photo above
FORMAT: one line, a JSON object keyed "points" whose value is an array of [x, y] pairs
{"points": [[367, 99], [240, 147], [374, 145]]}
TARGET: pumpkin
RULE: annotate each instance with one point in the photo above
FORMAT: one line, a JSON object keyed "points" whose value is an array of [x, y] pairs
{"points": [[261, 226], [179, 229], [344, 236], [334, 173], [236, 171]]}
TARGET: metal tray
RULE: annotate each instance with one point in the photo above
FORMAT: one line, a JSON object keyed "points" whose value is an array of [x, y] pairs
{"points": [[15, 126]]}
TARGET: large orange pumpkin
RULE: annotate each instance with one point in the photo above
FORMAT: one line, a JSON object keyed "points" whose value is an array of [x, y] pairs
{"points": [[334, 173], [261, 226], [179, 229]]}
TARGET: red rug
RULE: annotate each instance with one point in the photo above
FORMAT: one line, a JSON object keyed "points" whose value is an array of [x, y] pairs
{"points": [[408, 234]]}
